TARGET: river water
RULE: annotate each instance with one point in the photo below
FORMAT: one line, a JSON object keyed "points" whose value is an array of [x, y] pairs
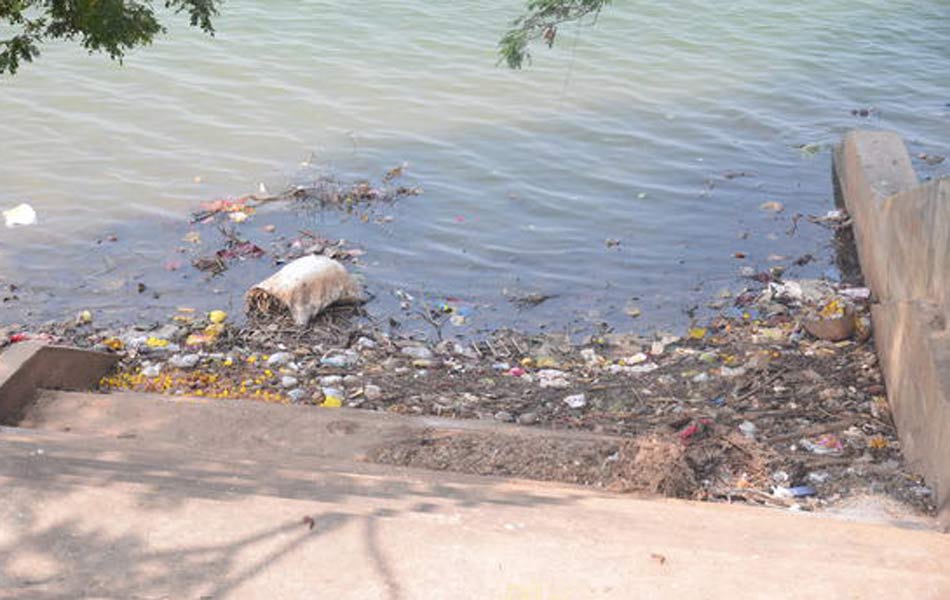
{"points": [[633, 131]]}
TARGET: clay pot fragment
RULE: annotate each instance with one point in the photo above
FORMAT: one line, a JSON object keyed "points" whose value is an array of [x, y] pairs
{"points": [[834, 328]]}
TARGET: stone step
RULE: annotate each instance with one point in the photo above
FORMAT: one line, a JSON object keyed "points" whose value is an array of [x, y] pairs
{"points": [[108, 517], [309, 437], [239, 428]]}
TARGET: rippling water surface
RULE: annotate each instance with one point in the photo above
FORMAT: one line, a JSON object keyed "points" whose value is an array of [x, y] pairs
{"points": [[626, 131]]}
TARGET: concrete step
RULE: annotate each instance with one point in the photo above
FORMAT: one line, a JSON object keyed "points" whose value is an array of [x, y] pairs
{"points": [[28, 366], [134, 517], [242, 428], [307, 437]]}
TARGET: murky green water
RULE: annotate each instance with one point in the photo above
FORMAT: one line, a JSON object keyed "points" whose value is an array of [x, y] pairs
{"points": [[624, 132]]}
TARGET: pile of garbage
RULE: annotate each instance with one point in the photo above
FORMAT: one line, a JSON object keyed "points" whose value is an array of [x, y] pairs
{"points": [[779, 400]]}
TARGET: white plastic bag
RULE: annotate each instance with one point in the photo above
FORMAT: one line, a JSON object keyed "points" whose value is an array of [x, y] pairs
{"points": [[22, 214]]}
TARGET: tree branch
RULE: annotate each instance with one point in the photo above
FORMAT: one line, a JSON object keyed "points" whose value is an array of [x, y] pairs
{"points": [[540, 22], [110, 26]]}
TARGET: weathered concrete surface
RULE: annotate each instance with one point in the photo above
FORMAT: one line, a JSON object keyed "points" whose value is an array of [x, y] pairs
{"points": [[83, 517], [914, 249], [902, 232], [29, 366], [235, 428], [300, 435], [914, 348]]}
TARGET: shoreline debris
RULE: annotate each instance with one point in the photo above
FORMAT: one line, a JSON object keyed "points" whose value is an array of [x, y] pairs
{"points": [[761, 411]]}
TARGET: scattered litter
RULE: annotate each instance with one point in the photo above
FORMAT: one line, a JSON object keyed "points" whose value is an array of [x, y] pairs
{"points": [[528, 418], [332, 397], [365, 343], [155, 342], [152, 370], [576, 401], [810, 149], [217, 316], [801, 491], [418, 352], [20, 215], [689, 431], [638, 358], [530, 300], [731, 373], [331, 402], [801, 291], [825, 444], [772, 206], [279, 359], [187, 361], [861, 293], [553, 378], [931, 159], [658, 558], [590, 357], [113, 344], [748, 429], [343, 360]]}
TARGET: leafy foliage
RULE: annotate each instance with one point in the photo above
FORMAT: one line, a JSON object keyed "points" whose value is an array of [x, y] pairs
{"points": [[540, 22], [117, 26], [110, 26]]}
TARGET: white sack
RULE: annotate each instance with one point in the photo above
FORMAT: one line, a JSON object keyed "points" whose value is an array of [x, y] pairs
{"points": [[305, 287]]}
